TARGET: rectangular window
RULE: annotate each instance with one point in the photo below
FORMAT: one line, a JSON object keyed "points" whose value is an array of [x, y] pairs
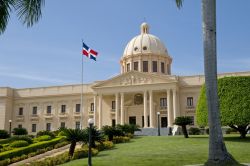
{"points": [[20, 126], [20, 112], [145, 66], [34, 111], [92, 107], [190, 101], [62, 125], [78, 107], [63, 109], [33, 128], [162, 67], [128, 67], [136, 66], [113, 122], [48, 126], [154, 66], [49, 109], [163, 103], [77, 125], [113, 105]]}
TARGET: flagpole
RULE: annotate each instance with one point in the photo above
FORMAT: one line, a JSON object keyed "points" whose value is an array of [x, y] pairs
{"points": [[82, 108]]}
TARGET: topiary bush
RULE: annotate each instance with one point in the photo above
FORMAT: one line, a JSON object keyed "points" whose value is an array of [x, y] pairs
{"points": [[45, 132], [194, 131], [121, 139], [43, 138], [5, 162], [28, 149], [21, 137], [83, 152], [20, 131], [4, 134], [19, 143]]}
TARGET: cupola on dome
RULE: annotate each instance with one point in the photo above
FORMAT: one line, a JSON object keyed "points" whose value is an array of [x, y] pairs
{"points": [[145, 43]]}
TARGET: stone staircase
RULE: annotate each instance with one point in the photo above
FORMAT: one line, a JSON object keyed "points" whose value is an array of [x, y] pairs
{"points": [[175, 130]]}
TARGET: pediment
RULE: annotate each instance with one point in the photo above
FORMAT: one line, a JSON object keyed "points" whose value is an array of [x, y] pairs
{"points": [[135, 78]]}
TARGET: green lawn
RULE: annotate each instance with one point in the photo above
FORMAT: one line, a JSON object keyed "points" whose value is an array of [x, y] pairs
{"points": [[159, 151]]}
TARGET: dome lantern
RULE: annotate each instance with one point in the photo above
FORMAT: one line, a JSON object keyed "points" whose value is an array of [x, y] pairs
{"points": [[144, 28]]}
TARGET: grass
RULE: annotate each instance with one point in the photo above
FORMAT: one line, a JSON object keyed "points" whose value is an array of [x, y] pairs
{"points": [[170, 151]]}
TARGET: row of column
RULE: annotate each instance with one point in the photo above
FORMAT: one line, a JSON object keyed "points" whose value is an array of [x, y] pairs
{"points": [[172, 108]]}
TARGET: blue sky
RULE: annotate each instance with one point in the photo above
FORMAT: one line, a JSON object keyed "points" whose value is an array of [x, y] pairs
{"points": [[49, 53]]}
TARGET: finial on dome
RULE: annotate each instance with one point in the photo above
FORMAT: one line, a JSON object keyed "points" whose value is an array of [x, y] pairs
{"points": [[144, 28]]}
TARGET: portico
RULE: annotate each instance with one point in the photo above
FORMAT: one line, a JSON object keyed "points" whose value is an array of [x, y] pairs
{"points": [[136, 102]]}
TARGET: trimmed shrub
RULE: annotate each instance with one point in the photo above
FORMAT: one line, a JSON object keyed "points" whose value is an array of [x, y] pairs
{"points": [[194, 131], [5, 162], [20, 131], [45, 132], [61, 144], [4, 134], [108, 145], [121, 139], [21, 137], [29, 149], [83, 152], [19, 143], [43, 138]]}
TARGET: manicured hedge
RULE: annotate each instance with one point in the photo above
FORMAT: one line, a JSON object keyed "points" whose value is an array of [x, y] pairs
{"points": [[28, 149]]}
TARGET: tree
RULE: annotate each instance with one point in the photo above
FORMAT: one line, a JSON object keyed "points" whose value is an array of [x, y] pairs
{"points": [[74, 136], [234, 95], [96, 136], [183, 121], [28, 11], [218, 154]]}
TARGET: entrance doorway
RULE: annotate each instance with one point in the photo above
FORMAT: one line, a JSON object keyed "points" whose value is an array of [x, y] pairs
{"points": [[164, 121], [132, 120]]}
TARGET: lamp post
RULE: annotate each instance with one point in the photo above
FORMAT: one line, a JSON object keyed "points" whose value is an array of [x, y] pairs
{"points": [[158, 116], [90, 122], [10, 127]]}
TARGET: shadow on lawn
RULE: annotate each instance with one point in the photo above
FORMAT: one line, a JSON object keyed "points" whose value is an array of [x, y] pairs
{"points": [[228, 138]]}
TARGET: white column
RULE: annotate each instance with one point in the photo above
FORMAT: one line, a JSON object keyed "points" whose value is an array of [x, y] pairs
{"points": [[170, 122], [175, 104], [100, 112], [95, 111], [116, 108], [122, 108], [151, 104], [145, 110]]}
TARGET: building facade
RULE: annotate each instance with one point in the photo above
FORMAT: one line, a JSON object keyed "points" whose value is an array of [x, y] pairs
{"points": [[144, 88]]}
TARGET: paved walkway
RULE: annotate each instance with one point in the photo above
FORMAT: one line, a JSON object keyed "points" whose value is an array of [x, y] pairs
{"points": [[45, 155]]}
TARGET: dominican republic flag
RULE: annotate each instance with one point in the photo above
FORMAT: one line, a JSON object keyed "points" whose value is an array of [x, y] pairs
{"points": [[88, 52]]}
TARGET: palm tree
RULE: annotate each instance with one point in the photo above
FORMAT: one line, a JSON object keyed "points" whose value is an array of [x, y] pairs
{"points": [[218, 154], [28, 11], [74, 136]]}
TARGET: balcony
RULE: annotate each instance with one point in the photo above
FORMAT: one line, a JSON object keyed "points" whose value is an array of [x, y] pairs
{"points": [[48, 116], [19, 118], [63, 115], [163, 108], [34, 117], [190, 109], [77, 114], [112, 111], [91, 112]]}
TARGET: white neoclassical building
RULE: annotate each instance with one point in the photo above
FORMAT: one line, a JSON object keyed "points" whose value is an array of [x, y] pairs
{"points": [[144, 87]]}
